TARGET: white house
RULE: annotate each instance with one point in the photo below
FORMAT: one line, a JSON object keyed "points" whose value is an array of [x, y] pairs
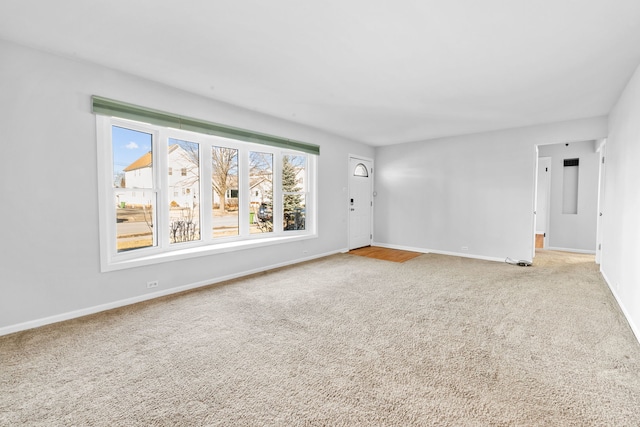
{"points": [[184, 185], [137, 176]]}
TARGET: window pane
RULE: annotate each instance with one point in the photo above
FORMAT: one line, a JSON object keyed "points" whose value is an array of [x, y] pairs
{"points": [[184, 191], [132, 158], [294, 211], [293, 188], [224, 177], [156, 202], [261, 192], [135, 217], [360, 170], [133, 169], [294, 173]]}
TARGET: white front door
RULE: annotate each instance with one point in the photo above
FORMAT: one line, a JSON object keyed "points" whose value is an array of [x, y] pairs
{"points": [[360, 202]]}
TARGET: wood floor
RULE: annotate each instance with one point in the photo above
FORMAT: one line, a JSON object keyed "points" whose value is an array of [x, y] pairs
{"points": [[385, 254]]}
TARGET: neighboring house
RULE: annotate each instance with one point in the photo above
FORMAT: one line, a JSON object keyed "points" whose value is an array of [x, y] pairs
{"points": [[137, 175], [184, 187], [261, 189], [261, 186]]}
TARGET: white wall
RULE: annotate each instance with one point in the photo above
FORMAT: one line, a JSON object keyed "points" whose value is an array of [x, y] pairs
{"points": [[50, 264], [573, 231], [474, 191], [620, 260]]}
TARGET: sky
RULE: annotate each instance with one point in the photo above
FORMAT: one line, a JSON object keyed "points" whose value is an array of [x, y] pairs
{"points": [[128, 146]]}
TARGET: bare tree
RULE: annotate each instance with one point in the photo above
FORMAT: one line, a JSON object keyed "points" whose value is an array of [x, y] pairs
{"points": [[261, 170], [224, 163], [191, 153], [225, 172], [260, 162]]}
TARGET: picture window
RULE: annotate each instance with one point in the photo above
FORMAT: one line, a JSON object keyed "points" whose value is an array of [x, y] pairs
{"points": [[240, 192]]}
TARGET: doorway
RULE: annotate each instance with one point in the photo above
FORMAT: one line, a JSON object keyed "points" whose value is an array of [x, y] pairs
{"points": [[571, 182], [360, 202]]}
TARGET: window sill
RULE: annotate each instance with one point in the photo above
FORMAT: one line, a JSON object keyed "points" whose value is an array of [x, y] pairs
{"points": [[193, 252]]}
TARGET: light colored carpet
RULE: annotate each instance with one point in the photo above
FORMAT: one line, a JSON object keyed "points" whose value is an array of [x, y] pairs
{"points": [[342, 341]]}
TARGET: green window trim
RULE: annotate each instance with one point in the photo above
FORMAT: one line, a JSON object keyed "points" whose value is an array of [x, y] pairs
{"points": [[123, 110]]}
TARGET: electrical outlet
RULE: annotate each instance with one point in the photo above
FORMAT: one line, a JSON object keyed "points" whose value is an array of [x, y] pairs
{"points": [[152, 284], [465, 248]]}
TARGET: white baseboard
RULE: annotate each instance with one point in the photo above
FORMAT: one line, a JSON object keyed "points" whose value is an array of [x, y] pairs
{"points": [[435, 251], [634, 328], [6, 330], [577, 251]]}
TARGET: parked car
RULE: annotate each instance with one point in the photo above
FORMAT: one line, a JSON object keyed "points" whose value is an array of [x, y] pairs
{"points": [[265, 213]]}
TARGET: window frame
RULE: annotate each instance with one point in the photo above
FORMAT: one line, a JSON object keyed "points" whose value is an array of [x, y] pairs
{"points": [[303, 192], [164, 251]]}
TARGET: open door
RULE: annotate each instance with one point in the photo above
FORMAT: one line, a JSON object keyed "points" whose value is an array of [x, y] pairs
{"points": [[360, 202]]}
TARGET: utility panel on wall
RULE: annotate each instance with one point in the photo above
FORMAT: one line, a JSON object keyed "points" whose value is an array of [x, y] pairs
{"points": [[570, 186]]}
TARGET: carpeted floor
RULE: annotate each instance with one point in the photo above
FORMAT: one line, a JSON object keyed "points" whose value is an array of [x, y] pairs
{"points": [[342, 341]]}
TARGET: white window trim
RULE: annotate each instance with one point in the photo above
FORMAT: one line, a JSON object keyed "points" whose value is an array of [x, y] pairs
{"points": [[111, 260]]}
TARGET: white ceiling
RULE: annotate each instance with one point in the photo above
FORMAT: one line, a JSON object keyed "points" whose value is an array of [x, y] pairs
{"points": [[375, 71]]}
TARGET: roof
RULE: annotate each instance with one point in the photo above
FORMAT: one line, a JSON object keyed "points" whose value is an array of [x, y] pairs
{"points": [[146, 160], [143, 162]]}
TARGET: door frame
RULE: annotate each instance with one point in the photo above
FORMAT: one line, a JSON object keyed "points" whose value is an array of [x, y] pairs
{"points": [[535, 202], [547, 219], [371, 192], [601, 147], [536, 162]]}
